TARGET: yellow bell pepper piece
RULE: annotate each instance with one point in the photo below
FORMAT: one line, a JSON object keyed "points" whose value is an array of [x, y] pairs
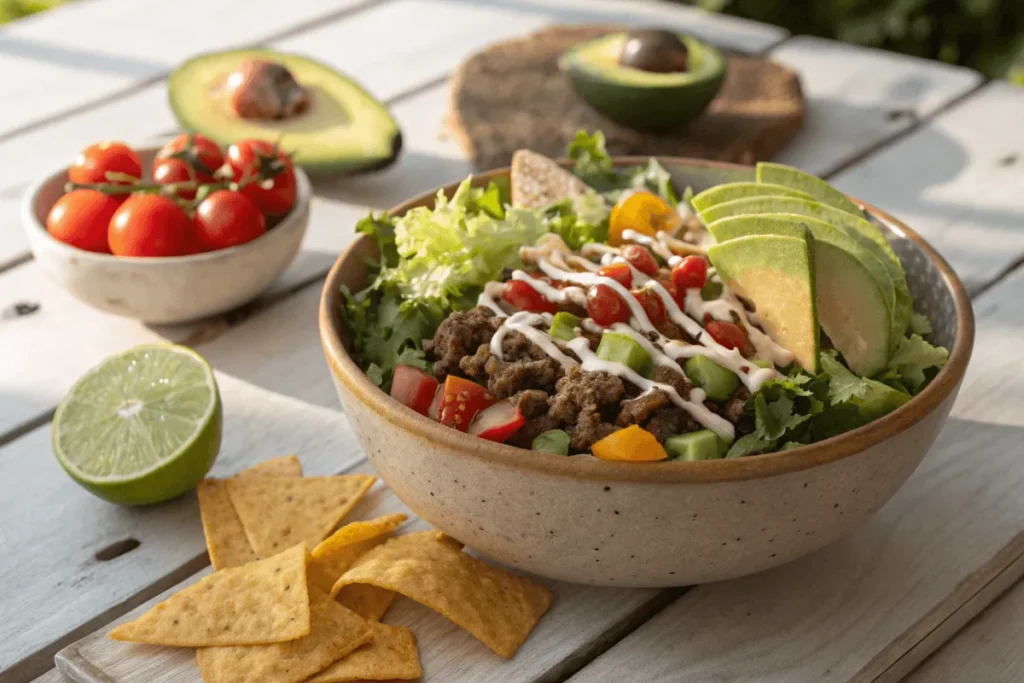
{"points": [[634, 443], [642, 212]]}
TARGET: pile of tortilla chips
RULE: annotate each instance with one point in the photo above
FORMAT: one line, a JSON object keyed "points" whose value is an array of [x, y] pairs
{"points": [[292, 599]]}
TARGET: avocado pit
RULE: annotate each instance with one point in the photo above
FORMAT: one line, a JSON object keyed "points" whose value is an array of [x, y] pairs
{"points": [[264, 90], [655, 51]]}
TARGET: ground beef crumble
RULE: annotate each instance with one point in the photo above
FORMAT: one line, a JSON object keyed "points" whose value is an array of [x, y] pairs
{"points": [[459, 335]]}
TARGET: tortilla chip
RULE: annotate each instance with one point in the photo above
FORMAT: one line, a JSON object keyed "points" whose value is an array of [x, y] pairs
{"points": [[225, 538], [261, 602], [367, 601], [496, 606], [278, 512], [390, 655], [537, 181], [285, 466], [335, 555], [335, 633]]}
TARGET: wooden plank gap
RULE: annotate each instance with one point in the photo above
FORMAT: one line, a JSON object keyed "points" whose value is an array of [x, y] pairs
{"points": [[26, 427], [977, 289]]}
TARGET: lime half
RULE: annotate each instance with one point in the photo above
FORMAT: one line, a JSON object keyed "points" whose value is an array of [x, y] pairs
{"points": [[141, 427]]}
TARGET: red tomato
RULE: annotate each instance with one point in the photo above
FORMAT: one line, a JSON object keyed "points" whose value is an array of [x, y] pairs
{"points": [[168, 171], [729, 335], [690, 273], [94, 162], [653, 305], [81, 217], [619, 272], [413, 388], [203, 155], [461, 400], [605, 306], [499, 422], [151, 225], [249, 158], [669, 287], [227, 219], [640, 258], [526, 298]]}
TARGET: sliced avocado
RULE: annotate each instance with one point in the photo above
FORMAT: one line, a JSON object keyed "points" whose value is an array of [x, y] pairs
{"points": [[776, 272], [853, 292], [644, 100], [717, 382], [343, 130], [779, 174], [700, 445], [536, 181], [719, 194]]}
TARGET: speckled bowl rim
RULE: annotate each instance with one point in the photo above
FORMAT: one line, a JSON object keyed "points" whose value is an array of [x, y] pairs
{"points": [[30, 221], [830, 450]]}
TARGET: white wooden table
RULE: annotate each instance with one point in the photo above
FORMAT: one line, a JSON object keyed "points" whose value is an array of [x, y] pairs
{"points": [[935, 145]]}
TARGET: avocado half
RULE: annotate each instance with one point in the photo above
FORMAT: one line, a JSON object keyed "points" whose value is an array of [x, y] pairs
{"points": [[343, 130], [643, 100]]}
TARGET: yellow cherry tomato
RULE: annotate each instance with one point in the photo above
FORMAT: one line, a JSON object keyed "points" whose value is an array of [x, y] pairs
{"points": [[632, 443], [642, 212]]}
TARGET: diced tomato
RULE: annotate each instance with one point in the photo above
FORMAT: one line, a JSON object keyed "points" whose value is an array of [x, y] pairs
{"points": [[605, 306], [653, 305], [619, 272], [690, 273], [461, 401], [498, 422], [729, 335], [526, 298], [640, 258], [413, 388]]}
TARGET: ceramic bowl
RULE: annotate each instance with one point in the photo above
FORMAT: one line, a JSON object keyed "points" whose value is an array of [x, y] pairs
{"points": [[657, 524], [163, 290]]}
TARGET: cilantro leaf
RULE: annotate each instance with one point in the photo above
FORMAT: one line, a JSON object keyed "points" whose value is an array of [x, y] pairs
{"points": [[382, 228], [751, 444], [913, 357], [871, 397]]}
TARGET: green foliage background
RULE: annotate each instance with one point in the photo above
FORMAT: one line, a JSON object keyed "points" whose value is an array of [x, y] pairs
{"points": [[16, 9], [987, 35]]}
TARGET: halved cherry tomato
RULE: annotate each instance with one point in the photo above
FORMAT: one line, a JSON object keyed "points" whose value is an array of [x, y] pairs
{"points": [[642, 212], [461, 400], [526, 298], [730, 335], [606, 307], [94, 162], [498, 422], [81, 218], [640, 258], [150, 225], [250, 158], [653, 305], [227, 219], [199, 152], [414, 388], [619, 272], [690, 273]]}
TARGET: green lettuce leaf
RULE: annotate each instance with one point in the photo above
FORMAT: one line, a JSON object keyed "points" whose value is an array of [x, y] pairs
{"points": [[914, 358], [382, 228], [578, 220], [593, 165], [920, 324]]}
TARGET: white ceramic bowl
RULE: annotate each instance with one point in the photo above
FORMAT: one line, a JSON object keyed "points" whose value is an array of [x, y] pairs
{"points": [[163, 290]]}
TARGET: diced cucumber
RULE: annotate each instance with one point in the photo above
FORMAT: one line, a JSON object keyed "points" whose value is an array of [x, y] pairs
{"points": [[711, 290], [702, 445], [563, 326], [717, 382], [621, 348], [552, 441]]}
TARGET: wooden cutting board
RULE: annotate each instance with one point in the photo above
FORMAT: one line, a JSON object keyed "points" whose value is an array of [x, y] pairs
{"points": [[512, 95]]}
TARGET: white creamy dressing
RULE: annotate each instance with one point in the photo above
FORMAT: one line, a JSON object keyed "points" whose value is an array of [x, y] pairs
{"points": [[487, 298], [524, 322]]}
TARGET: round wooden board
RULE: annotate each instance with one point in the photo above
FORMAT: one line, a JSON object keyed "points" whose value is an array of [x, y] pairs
{"points": [[512, 96]]}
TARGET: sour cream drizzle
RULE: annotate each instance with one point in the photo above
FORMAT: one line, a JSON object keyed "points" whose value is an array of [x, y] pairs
{"points": [[524, 322]]}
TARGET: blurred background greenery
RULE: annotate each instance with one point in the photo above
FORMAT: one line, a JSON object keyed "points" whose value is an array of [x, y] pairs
{"points": [[16, 9], [987, 35]]}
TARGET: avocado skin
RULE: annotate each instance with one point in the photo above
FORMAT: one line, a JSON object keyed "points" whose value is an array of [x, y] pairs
{"points": [[646, 108]]}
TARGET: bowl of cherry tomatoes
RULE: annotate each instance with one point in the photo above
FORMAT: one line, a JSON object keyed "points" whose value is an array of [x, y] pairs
{"points": [[169, 234]]}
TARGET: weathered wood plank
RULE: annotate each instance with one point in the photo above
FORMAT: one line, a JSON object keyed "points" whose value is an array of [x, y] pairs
{"points": [[958, 181], [51, 676], [858, 98], [853, 611]]}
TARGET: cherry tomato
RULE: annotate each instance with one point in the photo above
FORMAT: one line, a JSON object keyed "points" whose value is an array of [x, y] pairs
{"points": [[81, 217], [151, 225], [227, 219], [249, 158], [640, 258], [414, 388], [526, 298], [729, 335], [94, 162], [653, 305], [203, 155], [461, 400], [168, 171], [606, 307], [669, 287], [690, 273], [642, 212], [619, 272]]}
